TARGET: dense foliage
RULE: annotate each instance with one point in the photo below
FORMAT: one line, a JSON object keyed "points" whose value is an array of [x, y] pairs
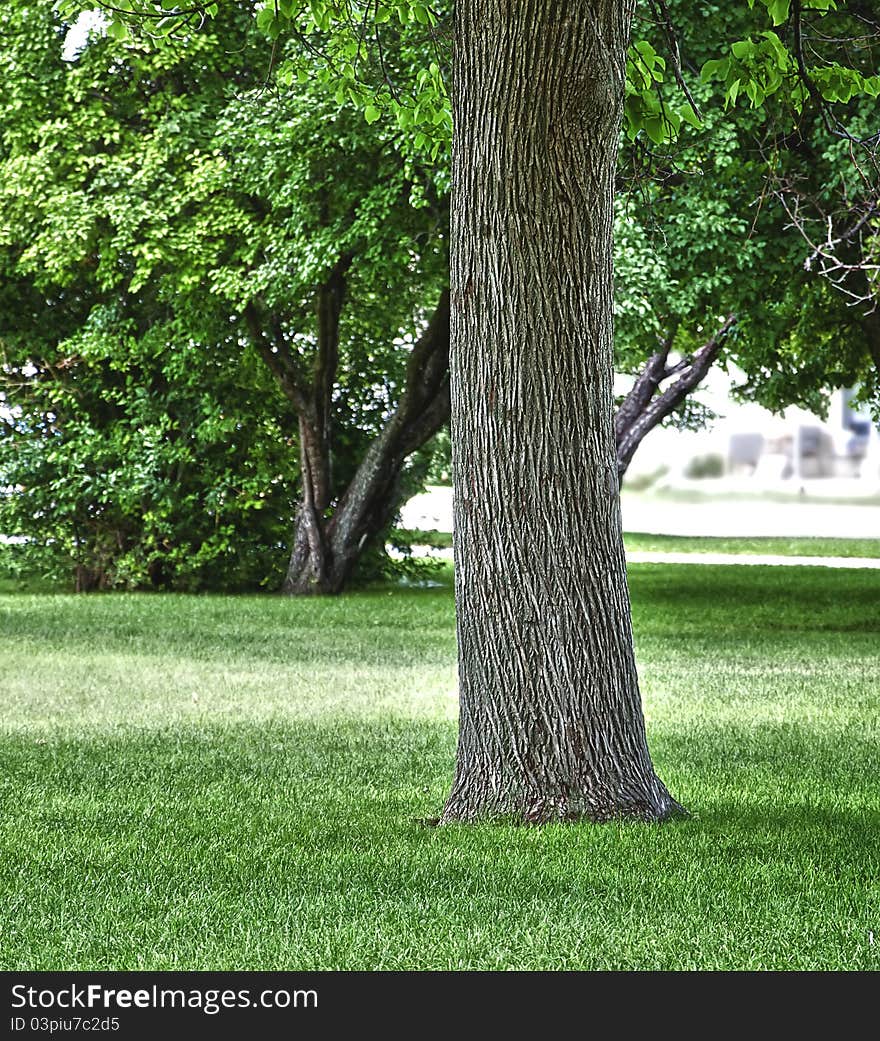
{"points": [[151, 199], [176, 200]]}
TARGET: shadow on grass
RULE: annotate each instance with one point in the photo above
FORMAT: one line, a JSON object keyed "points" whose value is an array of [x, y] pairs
{"points": [[787, 770], [293, 845], [378, 626], [756, 599], [683, 609]]}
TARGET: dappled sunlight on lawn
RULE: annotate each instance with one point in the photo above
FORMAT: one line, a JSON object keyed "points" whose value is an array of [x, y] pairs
{"points": [[234, 782]]}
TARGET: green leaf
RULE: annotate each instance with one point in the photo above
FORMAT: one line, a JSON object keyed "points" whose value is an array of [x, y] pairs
{"points": [[655, 128], [118, 30], [779, 11], [715, 69], [688, 114]]}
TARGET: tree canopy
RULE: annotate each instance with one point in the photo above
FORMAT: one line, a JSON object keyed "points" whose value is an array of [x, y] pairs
{"points": [[160, 210], [178, 194]]}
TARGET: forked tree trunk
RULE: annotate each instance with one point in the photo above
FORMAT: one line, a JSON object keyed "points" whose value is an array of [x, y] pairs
{"points": [[551, 718], [308, 569], [330, 536]]}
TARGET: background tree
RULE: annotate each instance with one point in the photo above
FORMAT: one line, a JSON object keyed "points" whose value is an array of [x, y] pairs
{"points": [[705, 226], [810, 84], [291, 233]]}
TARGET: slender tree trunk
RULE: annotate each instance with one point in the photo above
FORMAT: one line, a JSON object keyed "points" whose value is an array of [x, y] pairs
{"points": [[308, 568], [551, 718]]}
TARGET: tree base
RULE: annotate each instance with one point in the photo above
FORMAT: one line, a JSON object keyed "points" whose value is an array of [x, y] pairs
{"points": [[309, 579], [658, 807], [311, 587]]}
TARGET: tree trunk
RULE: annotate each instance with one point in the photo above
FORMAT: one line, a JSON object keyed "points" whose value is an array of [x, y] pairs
{"points": [[310, 567], [308, 570], [551, 719], [326, 548]]}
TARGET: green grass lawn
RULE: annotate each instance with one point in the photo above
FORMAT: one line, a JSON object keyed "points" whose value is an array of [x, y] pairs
{"points": [[793, 547], [231, 783]]}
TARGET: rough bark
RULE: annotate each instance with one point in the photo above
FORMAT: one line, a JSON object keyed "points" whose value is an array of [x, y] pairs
{"points": [[370, 500], [551, 723], [645, 407], [309, 567]]}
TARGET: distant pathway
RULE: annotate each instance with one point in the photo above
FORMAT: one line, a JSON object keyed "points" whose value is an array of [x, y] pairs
{"points": [[752, 518]]}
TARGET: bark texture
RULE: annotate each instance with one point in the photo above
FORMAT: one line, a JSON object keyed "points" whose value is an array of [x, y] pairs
{"points": [[551, 723]]}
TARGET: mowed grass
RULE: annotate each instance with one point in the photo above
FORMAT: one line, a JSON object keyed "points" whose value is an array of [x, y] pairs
{"points": [[783, 547], [233, 783]]}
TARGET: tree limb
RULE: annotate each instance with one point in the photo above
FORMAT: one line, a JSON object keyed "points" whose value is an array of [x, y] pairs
{"points": [[633, 428]]}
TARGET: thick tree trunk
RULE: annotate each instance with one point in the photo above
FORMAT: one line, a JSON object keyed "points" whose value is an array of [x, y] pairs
{"points": [[551, 718]]}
